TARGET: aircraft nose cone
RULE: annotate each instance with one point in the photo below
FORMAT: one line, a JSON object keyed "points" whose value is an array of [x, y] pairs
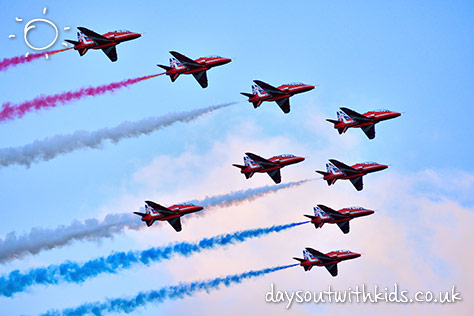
{"points": [[226, 60], [356, 255], [310, 87], [382, 167]]}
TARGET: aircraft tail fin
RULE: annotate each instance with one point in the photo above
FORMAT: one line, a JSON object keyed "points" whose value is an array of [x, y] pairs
{"points": [[308, 255], [305, 267], [82, 51], [173, 76], [332, 168], [81, 37], [322, 172], [318, 218], [249, 162], [165, 67], [343, 117], [329, 181], [319, 213], [73, 42], [340, 129], [174, 63], [256, 90], [248, 95], [248, 175]]}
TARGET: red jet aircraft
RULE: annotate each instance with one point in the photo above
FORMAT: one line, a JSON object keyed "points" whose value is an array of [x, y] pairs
{"points": [[324, 214], [337, 170], [329, 261], [182, 65], [254, 163], [262, 91], [349, 118], [87, 39], [156, 212]]}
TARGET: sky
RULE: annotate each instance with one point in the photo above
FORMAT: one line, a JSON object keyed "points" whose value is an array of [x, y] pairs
{"points": [[414, 57]]}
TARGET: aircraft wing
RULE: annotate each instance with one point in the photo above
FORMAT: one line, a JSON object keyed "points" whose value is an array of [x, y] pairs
{"points": [[369, 131], [159, 208], [319, 255], [269, 88], [260, 160], [186, 61], [357, 183], [201, 77], [355, 116], [343, 167], [332, 268], [93, 36], [344, 226], [176, 223], [332, 213], [275, 175], [284, 105], [111, 52]]}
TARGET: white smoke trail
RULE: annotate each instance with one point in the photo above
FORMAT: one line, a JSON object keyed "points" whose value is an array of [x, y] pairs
{"points": [[46, 149], [15, 247]]}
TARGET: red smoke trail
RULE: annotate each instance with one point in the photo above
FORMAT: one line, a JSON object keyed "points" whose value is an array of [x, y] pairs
{"points": [[9, 111], [8, 62]]}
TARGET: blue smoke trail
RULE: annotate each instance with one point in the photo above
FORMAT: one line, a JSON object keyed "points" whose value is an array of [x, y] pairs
{"points": [[179, 291], [73, 272], [15, 246]]}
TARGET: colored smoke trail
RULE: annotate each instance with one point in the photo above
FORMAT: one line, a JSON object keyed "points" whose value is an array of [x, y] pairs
{"points": [[10, 112], [9, 62], [248, 195], [128, 305], [48, 148], [79, 272], [14, 247]]}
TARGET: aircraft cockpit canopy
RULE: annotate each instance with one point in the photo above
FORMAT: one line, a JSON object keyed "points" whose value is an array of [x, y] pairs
{"points": [[369, 163]]}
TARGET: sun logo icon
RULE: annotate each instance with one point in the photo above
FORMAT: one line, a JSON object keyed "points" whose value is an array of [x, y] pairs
{"points": [[31, 25]]}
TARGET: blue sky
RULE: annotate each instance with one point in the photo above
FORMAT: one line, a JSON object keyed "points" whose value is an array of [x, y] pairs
{"points": [[410, 56]]}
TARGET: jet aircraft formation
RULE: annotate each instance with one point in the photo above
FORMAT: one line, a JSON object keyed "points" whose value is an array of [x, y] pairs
{"points": [[253, 163]]}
